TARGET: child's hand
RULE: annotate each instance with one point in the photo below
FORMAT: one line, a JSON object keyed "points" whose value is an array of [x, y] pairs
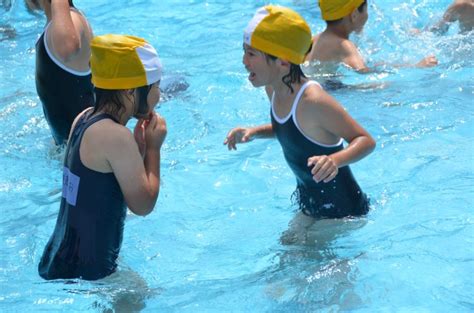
{"points": [[324, 168], [139, 134], [238, 135], [429, 61], [155, 131]]}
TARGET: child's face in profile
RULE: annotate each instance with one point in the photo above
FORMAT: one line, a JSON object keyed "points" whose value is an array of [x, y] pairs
{"points": [[257, 65]]}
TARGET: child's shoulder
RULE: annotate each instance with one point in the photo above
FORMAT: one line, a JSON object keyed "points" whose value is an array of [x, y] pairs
{"points": [[327, 50], [111, 132], [313, 94], [347, 46], [314, 103], [337, 45]]}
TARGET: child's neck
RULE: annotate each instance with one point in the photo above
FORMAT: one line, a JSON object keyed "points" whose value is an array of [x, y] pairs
{"points": [[340, 30], [122, 117], [282, 91]]}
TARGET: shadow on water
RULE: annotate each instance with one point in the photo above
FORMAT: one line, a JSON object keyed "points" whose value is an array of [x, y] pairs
{"points": [[7, 32], [173, 85]]}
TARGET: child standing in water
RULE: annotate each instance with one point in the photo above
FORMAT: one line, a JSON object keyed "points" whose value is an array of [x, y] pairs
{"points": [[333, 46], [106, 167], [308, 123]]}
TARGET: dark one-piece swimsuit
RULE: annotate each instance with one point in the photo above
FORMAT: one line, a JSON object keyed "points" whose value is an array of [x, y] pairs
{"points": [[340, 197]]}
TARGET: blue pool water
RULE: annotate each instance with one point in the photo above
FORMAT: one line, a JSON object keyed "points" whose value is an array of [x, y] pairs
{"points": [[213, 242]]}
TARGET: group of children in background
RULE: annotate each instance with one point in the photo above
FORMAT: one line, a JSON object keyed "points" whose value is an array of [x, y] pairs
{"points": [[90, 87]]}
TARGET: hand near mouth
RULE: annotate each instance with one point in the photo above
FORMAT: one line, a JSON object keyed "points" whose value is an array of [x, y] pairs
{"points": [[139, 134]]}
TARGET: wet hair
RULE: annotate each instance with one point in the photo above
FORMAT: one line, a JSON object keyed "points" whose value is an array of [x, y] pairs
{"points": [[295, 74], [112, 101], [109, 99], [360, 8]]}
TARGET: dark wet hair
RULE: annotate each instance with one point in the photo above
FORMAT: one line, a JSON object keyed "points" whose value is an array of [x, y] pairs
{"points": [[110, 99], [112, 102], [360, 8], [295, 74]]}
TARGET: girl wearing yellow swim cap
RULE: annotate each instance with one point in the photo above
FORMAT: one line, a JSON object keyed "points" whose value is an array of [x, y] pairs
{"points": [[309, 124], [106, 167]]}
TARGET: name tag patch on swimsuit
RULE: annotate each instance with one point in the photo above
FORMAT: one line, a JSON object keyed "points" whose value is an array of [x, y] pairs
{"points": [[70, 186]]}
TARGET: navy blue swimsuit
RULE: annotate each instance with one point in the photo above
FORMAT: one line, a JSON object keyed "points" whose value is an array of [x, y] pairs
{"points": [[63, 92], [88, 234], [341, 196]]}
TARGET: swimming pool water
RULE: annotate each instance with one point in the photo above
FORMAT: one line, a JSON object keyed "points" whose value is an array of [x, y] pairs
{"points": [[212, 243]]}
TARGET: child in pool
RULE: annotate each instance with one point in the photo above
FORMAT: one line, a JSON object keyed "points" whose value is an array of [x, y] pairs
{"points": [[333, 46], [106, 167], [63, 79], [309, 124]]}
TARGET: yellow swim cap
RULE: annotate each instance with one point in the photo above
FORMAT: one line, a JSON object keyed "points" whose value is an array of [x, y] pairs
{"points": [[332, 10], [280, 32], [123, 62]]}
